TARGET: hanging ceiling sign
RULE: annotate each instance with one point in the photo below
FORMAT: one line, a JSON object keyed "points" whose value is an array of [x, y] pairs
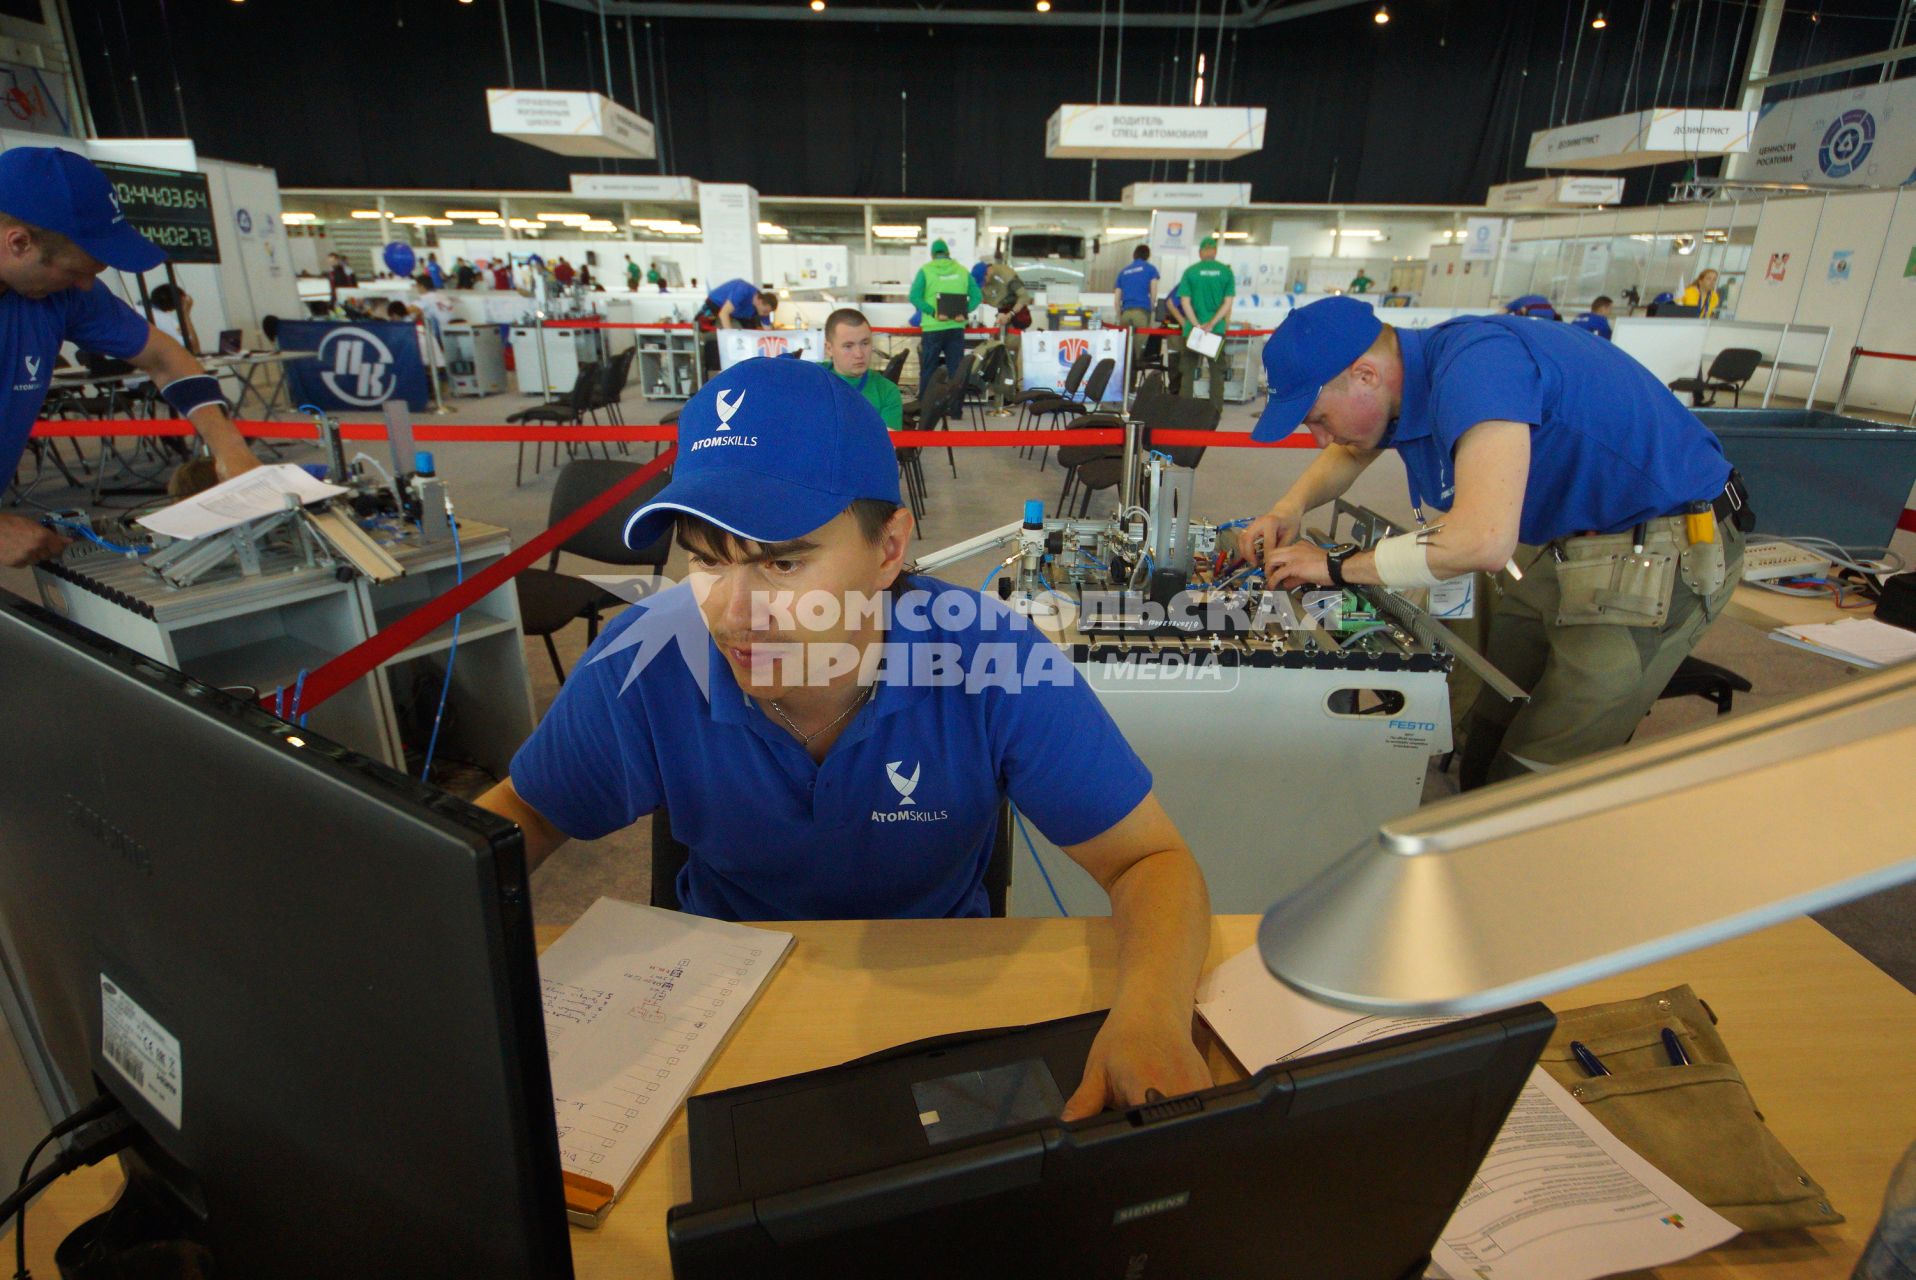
{"points": [[1078, 131], [570, 123], [634, 186], [1555, 193], [1188, 195], [1658, 136]]}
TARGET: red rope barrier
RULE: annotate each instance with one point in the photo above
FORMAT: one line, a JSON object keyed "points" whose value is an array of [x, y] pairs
{"points": [[1882, 355], [502, 433], [349, 666]]}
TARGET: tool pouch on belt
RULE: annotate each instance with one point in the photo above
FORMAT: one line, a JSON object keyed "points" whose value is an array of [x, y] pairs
{"points": [[1602, 580], [1697, 1123], [1703, 566]]}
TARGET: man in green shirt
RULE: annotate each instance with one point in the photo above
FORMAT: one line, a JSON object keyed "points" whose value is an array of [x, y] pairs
{"points": [[1361, 283], [944, 335], [848, 350], [631, 274], [654, 276], [1205, 297]]}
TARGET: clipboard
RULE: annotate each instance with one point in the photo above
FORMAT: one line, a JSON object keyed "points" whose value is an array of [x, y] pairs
{"points": [[954, 306], [1204, 342]]}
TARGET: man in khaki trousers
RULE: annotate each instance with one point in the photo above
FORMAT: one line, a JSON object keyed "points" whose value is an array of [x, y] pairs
{"points": [[1536, 452]]}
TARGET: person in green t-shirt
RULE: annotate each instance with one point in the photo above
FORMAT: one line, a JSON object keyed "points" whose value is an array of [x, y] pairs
{"points": [[1361, 283], [944, 338], [631, 274], [1205, 297], [848, 350], [654, 276]]}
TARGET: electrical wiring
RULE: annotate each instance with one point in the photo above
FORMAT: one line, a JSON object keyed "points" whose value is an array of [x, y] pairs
{"points": [[452, 650], [74, 528], [1877, 562]]}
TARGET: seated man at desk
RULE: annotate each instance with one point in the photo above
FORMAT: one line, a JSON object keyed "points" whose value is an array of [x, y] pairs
{"points": [[833, 735]]}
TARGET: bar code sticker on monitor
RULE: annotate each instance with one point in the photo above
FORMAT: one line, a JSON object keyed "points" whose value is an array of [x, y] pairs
{"points": [[145, 1053]]}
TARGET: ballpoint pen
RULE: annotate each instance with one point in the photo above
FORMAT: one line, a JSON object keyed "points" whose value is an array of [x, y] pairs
{"points": [[1674, 1047], [1591, 1062]]}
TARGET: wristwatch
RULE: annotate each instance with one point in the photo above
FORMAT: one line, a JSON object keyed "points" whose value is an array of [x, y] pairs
{"points": [[1335, 557]]}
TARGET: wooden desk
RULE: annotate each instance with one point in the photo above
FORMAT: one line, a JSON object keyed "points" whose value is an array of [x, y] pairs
{"points": [[1769, 610], [1824, 1038]]}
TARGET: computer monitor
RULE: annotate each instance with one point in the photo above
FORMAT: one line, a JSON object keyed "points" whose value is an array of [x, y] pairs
{"points": [[231, 342], [310, 980]]}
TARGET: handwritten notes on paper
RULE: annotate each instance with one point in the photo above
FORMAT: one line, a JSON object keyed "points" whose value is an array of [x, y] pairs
{"points": [[638, 1001]]}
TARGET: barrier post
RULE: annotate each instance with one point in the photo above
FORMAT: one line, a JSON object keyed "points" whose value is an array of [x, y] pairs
{"points": [[1849, 375]]}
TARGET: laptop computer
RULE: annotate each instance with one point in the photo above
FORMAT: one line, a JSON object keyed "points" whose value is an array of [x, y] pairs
{"points": [[231, 342], [953, 306], [945, 1159]]}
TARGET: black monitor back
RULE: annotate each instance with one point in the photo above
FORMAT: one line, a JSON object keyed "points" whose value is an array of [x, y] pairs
{"points": [[1343, 1166], [344, 956]]}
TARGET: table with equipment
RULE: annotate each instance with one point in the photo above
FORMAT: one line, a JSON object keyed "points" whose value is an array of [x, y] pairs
{"points": [[257, 632], [1821, 1035]]}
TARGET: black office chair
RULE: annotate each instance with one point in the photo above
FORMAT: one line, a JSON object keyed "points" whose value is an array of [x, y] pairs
{"points": [[1696, 678], [1730, 371], [669, 857], [550, 601], [895, 367], [569, 412], [1068, 389], [1102, 466]]}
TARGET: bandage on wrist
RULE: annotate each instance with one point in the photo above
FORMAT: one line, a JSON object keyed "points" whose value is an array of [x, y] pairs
{"points": [[189, 395], [1404, 562]]}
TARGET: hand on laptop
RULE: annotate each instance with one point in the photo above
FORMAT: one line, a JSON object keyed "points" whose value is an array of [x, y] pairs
{"points": [[1135, 1053]]}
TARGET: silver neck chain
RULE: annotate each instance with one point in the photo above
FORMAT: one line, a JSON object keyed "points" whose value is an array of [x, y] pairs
{"points": [[805, 739]]}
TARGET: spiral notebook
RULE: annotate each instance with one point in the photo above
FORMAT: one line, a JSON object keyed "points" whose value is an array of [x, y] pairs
{"points": [[638, 1001]]}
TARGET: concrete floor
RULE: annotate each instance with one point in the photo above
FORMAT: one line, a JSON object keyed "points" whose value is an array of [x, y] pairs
{"points": [[989, 489]]}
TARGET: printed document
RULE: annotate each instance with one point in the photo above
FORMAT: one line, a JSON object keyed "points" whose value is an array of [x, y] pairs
{"points": [[259, 492], [1557, 1198]]}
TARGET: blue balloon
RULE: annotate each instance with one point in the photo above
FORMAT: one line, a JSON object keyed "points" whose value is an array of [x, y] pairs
{"points": [[399, 258]]}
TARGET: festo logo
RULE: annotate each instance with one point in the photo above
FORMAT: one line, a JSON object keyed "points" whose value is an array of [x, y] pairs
{"points": [[1420, 726], [908, 809]]}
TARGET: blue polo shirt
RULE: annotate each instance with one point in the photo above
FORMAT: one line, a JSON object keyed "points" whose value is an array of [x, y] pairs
{"points": [[1134, 284], [740, 294], [1609, 445], [31, 331], [900, 818], [1599, 325]]}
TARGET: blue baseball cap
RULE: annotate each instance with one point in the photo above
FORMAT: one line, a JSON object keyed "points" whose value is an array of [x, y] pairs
{"points": [[1311, 347], [62, 192], [770, 450]]}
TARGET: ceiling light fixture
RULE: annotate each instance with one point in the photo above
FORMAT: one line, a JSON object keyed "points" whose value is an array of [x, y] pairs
{"points": [[897, 231], [367, 213], [1599, 22], [469, 213], [1044, 6], [1382, 16], [818, 6]]}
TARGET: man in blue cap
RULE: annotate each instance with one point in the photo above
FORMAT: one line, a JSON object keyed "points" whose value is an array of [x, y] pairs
{"points": [[1609, 514], [60, 227], [835, 735]]}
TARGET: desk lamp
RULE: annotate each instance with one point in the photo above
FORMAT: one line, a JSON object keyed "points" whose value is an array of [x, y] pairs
{"points": [[1523, 889]]}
